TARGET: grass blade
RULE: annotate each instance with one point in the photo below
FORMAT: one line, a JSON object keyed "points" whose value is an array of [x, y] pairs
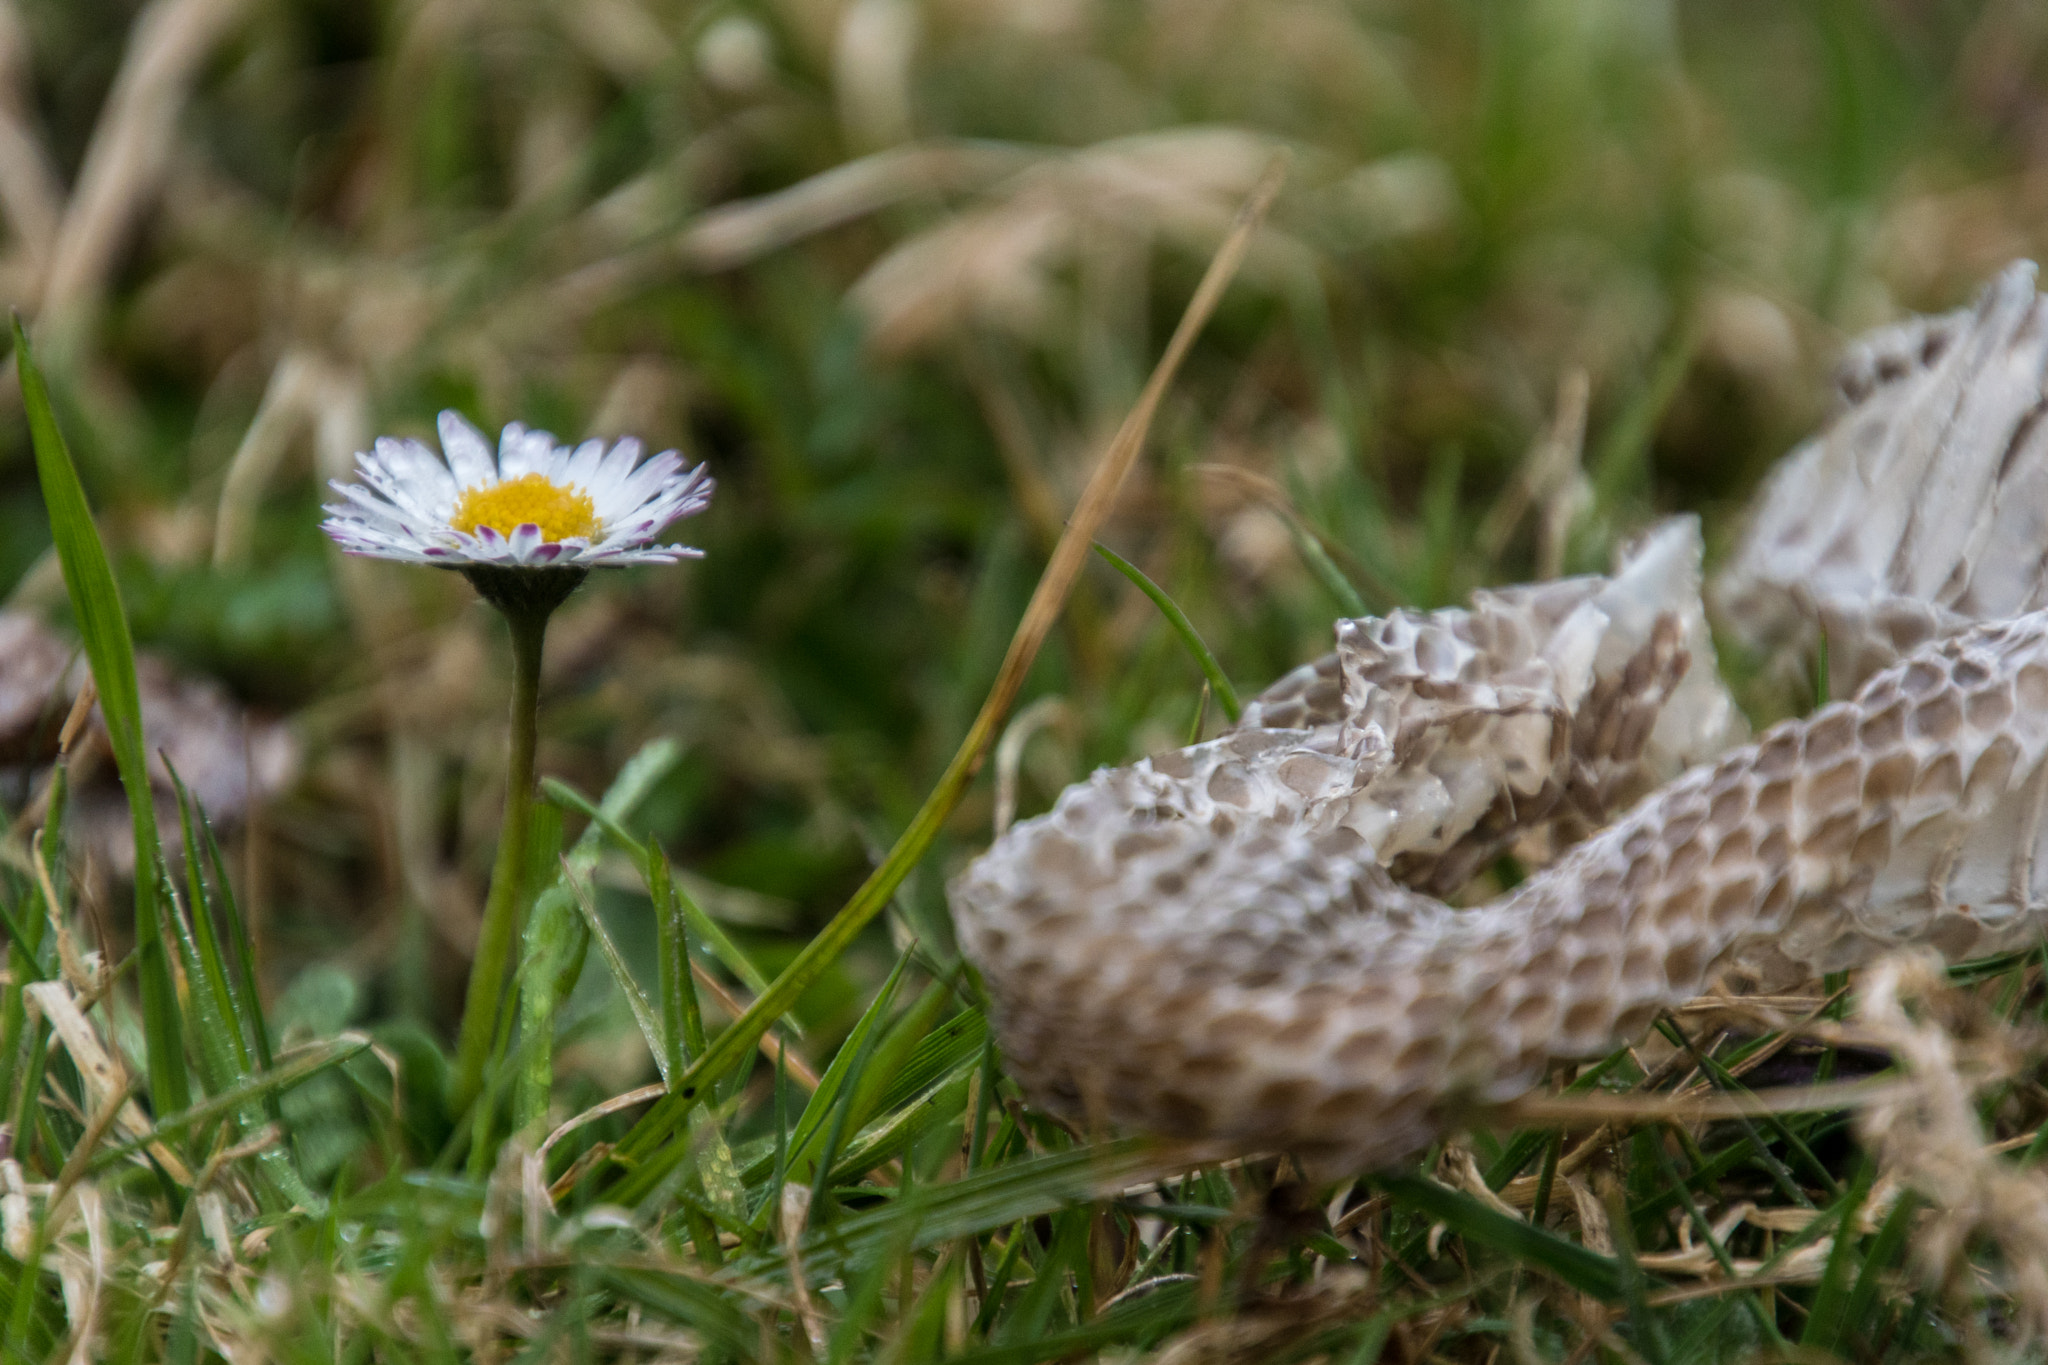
{"points": [[245, 951], [552, 953], [636, 999], [682, 1016], [627, 790], [839, 1081], [289, 1072], [26, 936], [644, 855], [1620, 467], [1884, 1255], [1309, 545], [1586, 1271], [1068, 1253], [1828, 1323], [900, 1126], [102, 622], [992, 1198], [219, 1068], [858, 1078], [1226, 695], [708, 1312], [204, 946]]}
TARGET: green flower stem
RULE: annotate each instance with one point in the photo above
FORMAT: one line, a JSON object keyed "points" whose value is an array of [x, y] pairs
{"points": [[529, 624]]}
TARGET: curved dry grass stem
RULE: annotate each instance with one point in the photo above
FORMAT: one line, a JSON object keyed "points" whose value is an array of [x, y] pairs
{"points": [[304, 391], [617, 1104], [734, 1003], [732, 234], [1045, 712], [129, 154], [1640, 1107], [31, 196], [1097, 500]]}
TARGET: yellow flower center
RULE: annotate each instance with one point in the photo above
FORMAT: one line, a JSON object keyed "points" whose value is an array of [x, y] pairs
{"points": [[505, 507]]}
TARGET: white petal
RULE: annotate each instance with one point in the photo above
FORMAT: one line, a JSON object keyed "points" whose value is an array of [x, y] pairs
{"points": [[580, 470], [652, 554], [397, 488], [526, 538], [510, 463], [613, 473], [353, 540], [395, 556], [396, 492], [552, 552], [409, 544], [544, 456], [525, 452], [647, 481], [694, 494], [487, 546], [633, 535], [367, 507], [381, 549], [420, 468], [469, 455], [624, 538], [683, 499]]}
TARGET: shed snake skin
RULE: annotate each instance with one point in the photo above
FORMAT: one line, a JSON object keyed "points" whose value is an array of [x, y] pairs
{"points": [[1243, 944]]}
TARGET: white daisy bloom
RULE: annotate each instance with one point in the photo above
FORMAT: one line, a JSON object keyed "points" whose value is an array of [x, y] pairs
{"points": [[537, 505]]}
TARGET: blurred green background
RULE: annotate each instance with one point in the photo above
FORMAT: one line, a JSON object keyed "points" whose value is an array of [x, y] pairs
{"points": [[896, 268]]}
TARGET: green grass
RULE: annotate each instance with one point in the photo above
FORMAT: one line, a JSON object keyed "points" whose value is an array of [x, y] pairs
{"points": [[373, 211]]}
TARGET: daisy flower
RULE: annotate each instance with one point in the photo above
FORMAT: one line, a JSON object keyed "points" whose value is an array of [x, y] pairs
{"points": [[535, 505], [524, 527]]}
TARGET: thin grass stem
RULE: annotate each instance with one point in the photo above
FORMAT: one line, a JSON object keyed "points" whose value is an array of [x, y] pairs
{"points": [[1226, 695]]}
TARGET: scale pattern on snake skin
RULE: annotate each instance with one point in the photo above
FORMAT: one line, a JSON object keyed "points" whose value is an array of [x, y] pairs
{"points": [[1921, 508], [1176, 967], [1442, 738], [1217, 944]]}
